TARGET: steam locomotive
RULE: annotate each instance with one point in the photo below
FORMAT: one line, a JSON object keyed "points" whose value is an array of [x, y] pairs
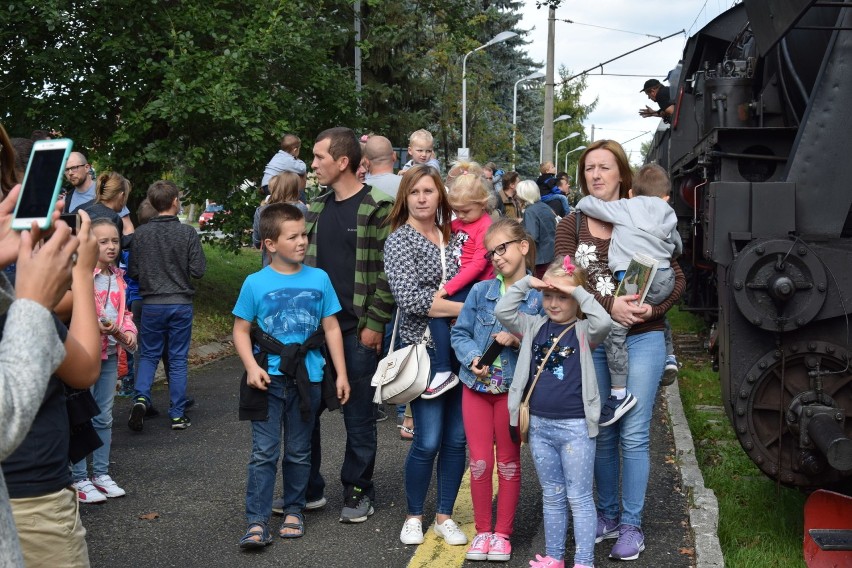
{"points": [[760, 154]]}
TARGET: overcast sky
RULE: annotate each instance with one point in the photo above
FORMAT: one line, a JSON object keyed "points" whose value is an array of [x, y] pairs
{"points": [[580, 47]]}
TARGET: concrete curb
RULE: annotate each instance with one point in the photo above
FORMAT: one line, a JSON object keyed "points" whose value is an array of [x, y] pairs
{"points": [[703, 508]]}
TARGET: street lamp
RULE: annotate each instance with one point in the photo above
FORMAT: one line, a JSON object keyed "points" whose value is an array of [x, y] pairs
{"points": [[502, 36], [530, 77], [541, 143], [556, 158], [577, 168]]}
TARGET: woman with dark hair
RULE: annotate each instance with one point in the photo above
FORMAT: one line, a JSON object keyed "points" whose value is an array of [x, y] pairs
{"points": [[417, 262], [7, 163], [511, 206], [622, 452]]}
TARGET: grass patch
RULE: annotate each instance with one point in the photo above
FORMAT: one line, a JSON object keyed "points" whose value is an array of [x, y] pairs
{"points": [[217, 292], [759, 523]]}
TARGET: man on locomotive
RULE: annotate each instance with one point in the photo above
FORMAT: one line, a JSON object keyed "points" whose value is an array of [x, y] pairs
{"points": [[658, 93]]}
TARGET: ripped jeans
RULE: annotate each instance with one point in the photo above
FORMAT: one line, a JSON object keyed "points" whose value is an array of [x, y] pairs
{"points": [[564, 458], [486, 419]]}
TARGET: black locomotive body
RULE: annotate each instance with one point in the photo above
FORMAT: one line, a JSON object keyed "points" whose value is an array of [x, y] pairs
{"points": [[760, 155]]}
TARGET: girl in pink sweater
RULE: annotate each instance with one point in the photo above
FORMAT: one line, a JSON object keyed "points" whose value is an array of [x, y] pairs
{"points": [[469, 197]]}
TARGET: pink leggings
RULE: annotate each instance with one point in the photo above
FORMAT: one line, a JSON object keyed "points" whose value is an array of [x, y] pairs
{"points": [[486, 420]]}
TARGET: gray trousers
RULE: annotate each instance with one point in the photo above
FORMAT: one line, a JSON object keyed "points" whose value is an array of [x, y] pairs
{"points": [[615, 343]]}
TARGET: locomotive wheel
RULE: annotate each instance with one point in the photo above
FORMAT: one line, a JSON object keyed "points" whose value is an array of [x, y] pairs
{"points": [[766, 395]]}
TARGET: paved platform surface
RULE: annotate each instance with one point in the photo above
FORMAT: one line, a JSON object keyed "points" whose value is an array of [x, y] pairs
{"points": [[194, 480]]}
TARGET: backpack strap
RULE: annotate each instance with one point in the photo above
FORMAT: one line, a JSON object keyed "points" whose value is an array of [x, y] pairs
{"points": [[577, 220]]}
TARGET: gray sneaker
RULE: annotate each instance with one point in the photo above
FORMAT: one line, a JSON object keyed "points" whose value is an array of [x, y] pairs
{"points": [[278, 505], [356, 507]]}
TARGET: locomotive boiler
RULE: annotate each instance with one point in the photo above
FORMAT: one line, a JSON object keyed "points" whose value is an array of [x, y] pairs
{"points": [[760, 154]]}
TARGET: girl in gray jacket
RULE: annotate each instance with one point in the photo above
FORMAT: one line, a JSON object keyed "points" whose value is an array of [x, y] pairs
{"points": [[565, 404]]}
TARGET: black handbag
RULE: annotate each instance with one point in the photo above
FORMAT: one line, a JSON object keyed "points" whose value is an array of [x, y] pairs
{"points": [[81, 407]]}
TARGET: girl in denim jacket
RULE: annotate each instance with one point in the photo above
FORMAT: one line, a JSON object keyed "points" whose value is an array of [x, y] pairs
{"points": [[484, 402]]}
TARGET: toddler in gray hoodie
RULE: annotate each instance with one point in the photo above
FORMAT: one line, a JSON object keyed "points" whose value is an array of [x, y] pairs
{"points": [[645, 223]]}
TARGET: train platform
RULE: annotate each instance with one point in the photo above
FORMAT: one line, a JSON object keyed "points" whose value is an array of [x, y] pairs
{"points": [[186, 492]]}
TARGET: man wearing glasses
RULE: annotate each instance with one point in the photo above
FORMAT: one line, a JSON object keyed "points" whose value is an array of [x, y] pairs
{"points": [[77, 172]]}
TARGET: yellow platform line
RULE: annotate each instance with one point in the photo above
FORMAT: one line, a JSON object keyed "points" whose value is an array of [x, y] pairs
{"points": [[434, 552]]}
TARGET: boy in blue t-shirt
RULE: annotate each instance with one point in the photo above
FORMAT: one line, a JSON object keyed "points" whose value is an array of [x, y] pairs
{"points": [[289, 301]]}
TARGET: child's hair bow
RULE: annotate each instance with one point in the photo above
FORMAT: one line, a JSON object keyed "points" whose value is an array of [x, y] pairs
{"points": [[569, 268]]}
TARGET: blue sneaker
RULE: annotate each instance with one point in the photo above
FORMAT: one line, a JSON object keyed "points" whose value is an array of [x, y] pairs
{"points": [[614, 408], [607, 528], [630, 543]]}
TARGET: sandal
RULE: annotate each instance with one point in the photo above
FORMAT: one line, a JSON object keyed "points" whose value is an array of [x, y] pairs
{"points": [[406, 433], [299, 525], [249, 539]]}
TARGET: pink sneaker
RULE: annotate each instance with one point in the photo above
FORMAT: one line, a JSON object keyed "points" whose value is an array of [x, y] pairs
{"points": [[479, 548], [546, 562], [500, 549]]}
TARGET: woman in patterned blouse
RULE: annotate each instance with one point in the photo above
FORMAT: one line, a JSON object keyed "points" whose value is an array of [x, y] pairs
{"points": [[605, 174], [420, 225]]}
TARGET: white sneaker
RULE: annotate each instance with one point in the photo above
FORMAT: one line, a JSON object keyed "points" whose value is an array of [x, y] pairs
{"points": [[107, 486], [450, 532], [88, 493], [412, 532]]}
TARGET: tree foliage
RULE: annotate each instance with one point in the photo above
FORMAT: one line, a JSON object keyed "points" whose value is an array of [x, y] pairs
{"points": [[201, 91]]}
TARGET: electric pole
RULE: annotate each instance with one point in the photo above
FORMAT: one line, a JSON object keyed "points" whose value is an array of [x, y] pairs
{"points": [[547, 138]]}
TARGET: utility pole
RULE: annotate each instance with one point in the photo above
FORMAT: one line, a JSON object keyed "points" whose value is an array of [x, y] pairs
{"points": [[593, 133], [547, 136]]}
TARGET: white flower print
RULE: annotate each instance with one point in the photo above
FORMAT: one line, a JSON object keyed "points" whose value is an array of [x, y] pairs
{"points": [[586, 254], [605, 285]]}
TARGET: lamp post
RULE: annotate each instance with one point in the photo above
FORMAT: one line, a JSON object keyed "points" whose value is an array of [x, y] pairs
{"points": [[576, 169], [530, 77], [502, 36], [541, 143], [556, 158]]}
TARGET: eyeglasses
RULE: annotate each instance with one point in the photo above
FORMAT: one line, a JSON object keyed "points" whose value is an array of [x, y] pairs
{"points": [[499, 250], [70, 169]]}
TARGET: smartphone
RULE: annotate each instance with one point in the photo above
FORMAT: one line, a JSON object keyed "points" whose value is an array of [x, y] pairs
{"points": [[42, 182], [491, 353], [72, 220]]}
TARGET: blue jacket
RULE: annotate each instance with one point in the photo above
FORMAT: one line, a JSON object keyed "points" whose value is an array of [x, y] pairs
{"points": [[477, 324], [540, 222]]}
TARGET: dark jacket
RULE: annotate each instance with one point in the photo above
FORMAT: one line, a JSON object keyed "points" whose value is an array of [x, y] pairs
{"points": [[164, 255], [254, 403]]}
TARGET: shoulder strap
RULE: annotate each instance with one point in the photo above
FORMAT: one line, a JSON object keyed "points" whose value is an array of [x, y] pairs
{"points": [[543, 361], [577, 218]]}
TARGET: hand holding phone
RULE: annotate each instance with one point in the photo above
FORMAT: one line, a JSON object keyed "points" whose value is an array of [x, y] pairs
{"points": [[42, 182], [491, 353]]}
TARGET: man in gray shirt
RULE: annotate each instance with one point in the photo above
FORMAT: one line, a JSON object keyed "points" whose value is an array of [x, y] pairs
{"points": [[380, 157]]}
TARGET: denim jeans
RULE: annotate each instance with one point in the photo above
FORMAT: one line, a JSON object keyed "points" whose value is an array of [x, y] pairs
{"points": [[564, 458], [438, 432], [103, 392], [445, 359], [161, 323], [266, 436], [623, 448], [359, 418]]}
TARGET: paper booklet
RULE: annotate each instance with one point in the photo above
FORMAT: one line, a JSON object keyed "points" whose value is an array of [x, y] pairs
{"points": [[638, 276]]}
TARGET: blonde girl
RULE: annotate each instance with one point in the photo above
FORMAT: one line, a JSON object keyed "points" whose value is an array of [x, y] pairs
{"points": [[468, 198], [564, 405], [485, 407], [116, 325]]}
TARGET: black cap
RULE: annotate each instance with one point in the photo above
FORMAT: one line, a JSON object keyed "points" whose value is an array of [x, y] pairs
{"points": [[650, 84]]}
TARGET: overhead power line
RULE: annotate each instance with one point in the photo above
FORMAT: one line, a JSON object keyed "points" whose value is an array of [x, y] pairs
{"points": [[606, 28], [601, 65]]}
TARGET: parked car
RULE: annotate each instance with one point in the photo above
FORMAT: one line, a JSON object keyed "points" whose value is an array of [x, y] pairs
{"points": [[208, 214]]}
